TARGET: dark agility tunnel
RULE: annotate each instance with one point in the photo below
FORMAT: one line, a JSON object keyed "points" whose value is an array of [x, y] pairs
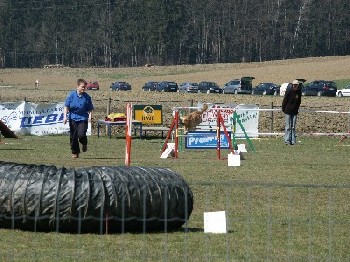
{"points": [[92, 199]]}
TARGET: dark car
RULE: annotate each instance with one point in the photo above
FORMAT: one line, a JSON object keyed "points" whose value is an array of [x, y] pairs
{"points": [[120, 86], [320, 88], [266, 89], [188, 87], [243, 85], [150, 86], [209, 87], [93, 85], [167, 86]]}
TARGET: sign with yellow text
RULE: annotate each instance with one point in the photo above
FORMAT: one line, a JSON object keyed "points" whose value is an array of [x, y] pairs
{"points": [[148, 114]]}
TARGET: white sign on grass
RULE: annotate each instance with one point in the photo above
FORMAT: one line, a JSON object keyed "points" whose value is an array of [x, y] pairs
{"points": [[215, 222]]}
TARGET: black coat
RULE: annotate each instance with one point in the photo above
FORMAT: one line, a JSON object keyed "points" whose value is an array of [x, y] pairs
{"points": [[291, 101]]}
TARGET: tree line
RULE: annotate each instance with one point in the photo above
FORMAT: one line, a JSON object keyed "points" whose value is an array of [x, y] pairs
{"points": [[113, 33]]}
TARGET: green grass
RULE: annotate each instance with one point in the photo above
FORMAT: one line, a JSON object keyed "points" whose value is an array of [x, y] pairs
{"points": [[283, 202]]}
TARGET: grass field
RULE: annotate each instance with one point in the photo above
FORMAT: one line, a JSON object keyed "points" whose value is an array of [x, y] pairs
{"points": [[282, 203]]}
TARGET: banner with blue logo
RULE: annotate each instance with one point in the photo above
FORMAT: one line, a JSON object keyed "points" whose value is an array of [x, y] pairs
{"points": [[34, 119], [205, 140]]}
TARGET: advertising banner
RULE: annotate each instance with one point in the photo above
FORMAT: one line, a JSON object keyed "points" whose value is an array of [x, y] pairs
{"points": [[34, 119], [205, 140], [148, 114]]}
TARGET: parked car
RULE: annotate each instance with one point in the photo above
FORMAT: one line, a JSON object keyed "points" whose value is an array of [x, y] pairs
{"points": [[150, 86], [188, 87], [266, 89], [344, 92], [209, 87], [93, 85], [167, 86], [243, 85], [120, 86], [320, 88], [285, 86]]}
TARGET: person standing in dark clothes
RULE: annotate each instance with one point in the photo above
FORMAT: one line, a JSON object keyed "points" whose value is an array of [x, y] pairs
{"points": [[78, 107], [290, 107]]}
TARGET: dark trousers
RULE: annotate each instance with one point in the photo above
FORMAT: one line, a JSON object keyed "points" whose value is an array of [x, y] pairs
{"points": [[77, 134]]}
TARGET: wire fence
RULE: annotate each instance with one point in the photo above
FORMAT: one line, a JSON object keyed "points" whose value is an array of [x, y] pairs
{"points": [[265, 221]]}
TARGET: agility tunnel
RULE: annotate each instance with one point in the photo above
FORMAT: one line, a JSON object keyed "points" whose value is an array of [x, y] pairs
{"points": [[92, 199]]}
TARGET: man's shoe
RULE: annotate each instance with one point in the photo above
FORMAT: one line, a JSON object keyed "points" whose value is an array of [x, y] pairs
{"points": [[84, 148], [75, 155]]}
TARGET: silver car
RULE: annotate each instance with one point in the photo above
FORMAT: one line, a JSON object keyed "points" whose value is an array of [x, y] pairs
{"points": [[188, 87], [239, 86]]}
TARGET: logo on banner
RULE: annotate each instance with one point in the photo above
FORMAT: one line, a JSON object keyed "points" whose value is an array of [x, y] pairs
{"points": [[12, 117], [39, 120], [148, 114]]}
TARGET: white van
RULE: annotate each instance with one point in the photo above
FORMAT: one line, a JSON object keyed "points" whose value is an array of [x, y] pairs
{"points": [[284, 86]]}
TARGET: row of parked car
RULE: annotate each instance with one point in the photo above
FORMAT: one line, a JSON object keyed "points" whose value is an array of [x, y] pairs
{"points": [[242, 85]]}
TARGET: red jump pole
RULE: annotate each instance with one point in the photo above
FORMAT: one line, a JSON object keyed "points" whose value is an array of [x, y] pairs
{"points": [[128, 134], [176, 133], [226, 133]]}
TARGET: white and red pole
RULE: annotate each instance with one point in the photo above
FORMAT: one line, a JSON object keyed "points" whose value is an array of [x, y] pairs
{"points": [[128, 134]]}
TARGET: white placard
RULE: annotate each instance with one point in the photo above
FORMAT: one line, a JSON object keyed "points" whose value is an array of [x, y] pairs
{"points": [[215, 222]]}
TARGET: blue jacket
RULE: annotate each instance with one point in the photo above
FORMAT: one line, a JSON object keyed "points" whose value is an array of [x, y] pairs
{"points": [[79, 106]]}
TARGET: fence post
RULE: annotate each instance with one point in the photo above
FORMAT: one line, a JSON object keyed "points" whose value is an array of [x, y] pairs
{"points": [[271, 116]]}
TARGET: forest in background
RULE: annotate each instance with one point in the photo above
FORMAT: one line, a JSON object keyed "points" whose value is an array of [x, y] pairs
{"points": [[123, 33]]}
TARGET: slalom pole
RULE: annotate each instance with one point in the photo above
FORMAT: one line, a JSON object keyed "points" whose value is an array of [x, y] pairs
{"points": [[233, 130], [218, 135]]}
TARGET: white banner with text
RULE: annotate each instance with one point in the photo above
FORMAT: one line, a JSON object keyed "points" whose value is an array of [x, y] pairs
{"points": [[248, 115], [35, 119]]}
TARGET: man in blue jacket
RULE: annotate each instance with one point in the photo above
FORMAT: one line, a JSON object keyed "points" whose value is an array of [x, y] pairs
{"points": [[78, 107], [290, 107]]}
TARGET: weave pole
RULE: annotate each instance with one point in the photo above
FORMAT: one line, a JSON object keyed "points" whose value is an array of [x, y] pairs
{"points": [[218, 144], [128, 133]]}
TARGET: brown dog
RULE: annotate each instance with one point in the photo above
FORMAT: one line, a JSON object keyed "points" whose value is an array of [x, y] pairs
{"points": [[194, 119]]}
